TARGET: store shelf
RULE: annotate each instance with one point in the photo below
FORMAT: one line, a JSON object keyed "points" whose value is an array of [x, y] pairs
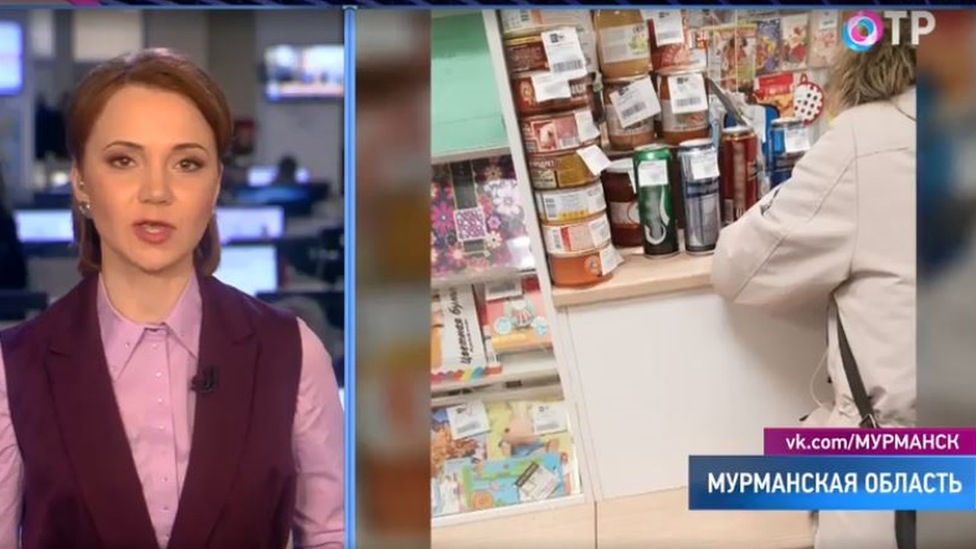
{"points": [[499, 395], [525, 366], [502, 512], [472, 154], [495, 274], [641, 276]]}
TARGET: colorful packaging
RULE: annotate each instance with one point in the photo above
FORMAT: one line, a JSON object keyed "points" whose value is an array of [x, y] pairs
{"points": [[721, 57], [456, 321], [477, 219], [768, 46], [449, 495], [517, 432], [776, 90], [825, 37], [796, 42], [514, 316], [745, 56], [444, 448]]}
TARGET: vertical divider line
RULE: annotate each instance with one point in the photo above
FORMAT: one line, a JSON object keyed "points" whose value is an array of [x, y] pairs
{"points": [[349, 276]]}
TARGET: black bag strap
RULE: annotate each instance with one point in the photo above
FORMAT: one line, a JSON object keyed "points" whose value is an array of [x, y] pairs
{"points": [[860, 394], [904, 520]]}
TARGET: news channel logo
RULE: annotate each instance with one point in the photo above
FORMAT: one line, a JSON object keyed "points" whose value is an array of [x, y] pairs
{"points": [[866, 28]]}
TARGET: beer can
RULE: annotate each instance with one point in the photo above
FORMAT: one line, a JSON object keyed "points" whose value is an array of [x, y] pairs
{"points": [[701, 182], [739, 172], [789, 141], [660, 234]]}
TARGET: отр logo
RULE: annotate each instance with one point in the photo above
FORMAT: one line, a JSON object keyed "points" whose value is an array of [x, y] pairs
{"points": [[863, 30]]}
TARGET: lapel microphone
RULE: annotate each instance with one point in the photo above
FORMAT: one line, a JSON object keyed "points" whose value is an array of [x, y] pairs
{"points": [[205, 382]]}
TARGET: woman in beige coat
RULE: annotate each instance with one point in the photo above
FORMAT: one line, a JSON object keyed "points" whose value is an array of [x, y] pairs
{"points": [[839, 237]]}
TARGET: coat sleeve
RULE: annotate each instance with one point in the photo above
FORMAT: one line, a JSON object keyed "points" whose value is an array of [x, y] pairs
{"points": [[795, 246]]}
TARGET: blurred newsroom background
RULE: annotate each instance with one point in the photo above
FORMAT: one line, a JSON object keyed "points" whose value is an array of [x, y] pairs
{"points": [[947, 246], [393, 277], [280, 210]]}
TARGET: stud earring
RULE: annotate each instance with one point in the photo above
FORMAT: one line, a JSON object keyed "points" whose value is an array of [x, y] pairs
{"points": [[85, 209]]}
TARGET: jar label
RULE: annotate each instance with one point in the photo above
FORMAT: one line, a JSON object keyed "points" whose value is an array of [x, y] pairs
{"points": [[622, 44]]}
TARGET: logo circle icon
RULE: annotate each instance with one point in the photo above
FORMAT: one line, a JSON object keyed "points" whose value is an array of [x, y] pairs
{"points": [[863, 30]]}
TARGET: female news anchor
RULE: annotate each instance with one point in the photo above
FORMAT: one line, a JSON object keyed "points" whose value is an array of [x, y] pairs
{"points": [[840, 236], [154, 406]]}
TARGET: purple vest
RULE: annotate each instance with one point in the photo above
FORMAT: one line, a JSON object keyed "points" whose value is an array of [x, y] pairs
{"points": [[82, 490]]}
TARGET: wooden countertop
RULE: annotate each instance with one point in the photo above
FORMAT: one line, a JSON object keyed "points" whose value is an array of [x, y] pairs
{"points": [[640, 276]]}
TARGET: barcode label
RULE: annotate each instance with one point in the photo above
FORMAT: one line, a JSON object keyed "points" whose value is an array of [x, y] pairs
{"points": [[564, 53], [570, 142], [549, 418], [595, 159], [653, 173], [636, 102], [668, 27], [554, 239], [599, 231], [797, 140], [514, 20], [536, 484], [468, 420], [687, 93], [503, 290], [610, 259], [585, 126], [704, 166], [548, 87], [552, 208]]}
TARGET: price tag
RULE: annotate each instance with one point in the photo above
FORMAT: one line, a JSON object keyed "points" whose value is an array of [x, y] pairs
{"points": [[503, 290], [585, 126], [636, 102], [797, 140], [564, 53], [687, 93], [704, 166], [653, 173], [594, 158], [549, 418], [668, 27], [550, 86], [610, 259], [516, 20], [468, 420], [537, 483]]}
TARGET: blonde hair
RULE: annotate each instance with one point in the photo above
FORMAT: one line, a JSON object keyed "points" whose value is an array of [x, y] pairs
{"points": [[882, 72]]}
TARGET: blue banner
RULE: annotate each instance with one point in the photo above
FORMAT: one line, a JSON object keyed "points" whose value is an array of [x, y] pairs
{"points": [[832, 483]]}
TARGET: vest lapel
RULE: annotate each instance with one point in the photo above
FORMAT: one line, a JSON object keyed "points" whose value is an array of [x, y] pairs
{"points": [[92, 427], [221, 418]]}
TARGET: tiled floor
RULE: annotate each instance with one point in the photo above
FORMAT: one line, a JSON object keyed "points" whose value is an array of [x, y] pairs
{"points": [[654, 521]]}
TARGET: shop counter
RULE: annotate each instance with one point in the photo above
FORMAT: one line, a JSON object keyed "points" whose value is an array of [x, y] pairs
{"points": [[661, 368]]}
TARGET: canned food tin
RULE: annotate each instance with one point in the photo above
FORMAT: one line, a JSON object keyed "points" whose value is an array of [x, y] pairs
{"points": [[789, 141], [525, 94], [684, 105], [560, 131], [700, 176], [739, 171], [560, 170], [526, 54], [523, 22], [620, 188], [584, 269], [570, 204], [633, 136], [577, 236], [660, 235]]}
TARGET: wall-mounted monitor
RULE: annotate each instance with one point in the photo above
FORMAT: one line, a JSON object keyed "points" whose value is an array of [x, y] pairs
{"points": [[253, 223], [11, 58], [250, 269], [44, 226], [261, 176], [304, 72]]}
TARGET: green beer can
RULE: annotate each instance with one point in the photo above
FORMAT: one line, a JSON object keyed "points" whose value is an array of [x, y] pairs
{"points": [[652, 177]]}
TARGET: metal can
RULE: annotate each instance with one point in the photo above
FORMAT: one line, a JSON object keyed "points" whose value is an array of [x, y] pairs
{"points": [[740, 175], [789, 140], [560, 170], [564, 205], [576, 236], [525, 94], [660, 234], [701, 181], [633, 136], [620, 188], [585, 268]]}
